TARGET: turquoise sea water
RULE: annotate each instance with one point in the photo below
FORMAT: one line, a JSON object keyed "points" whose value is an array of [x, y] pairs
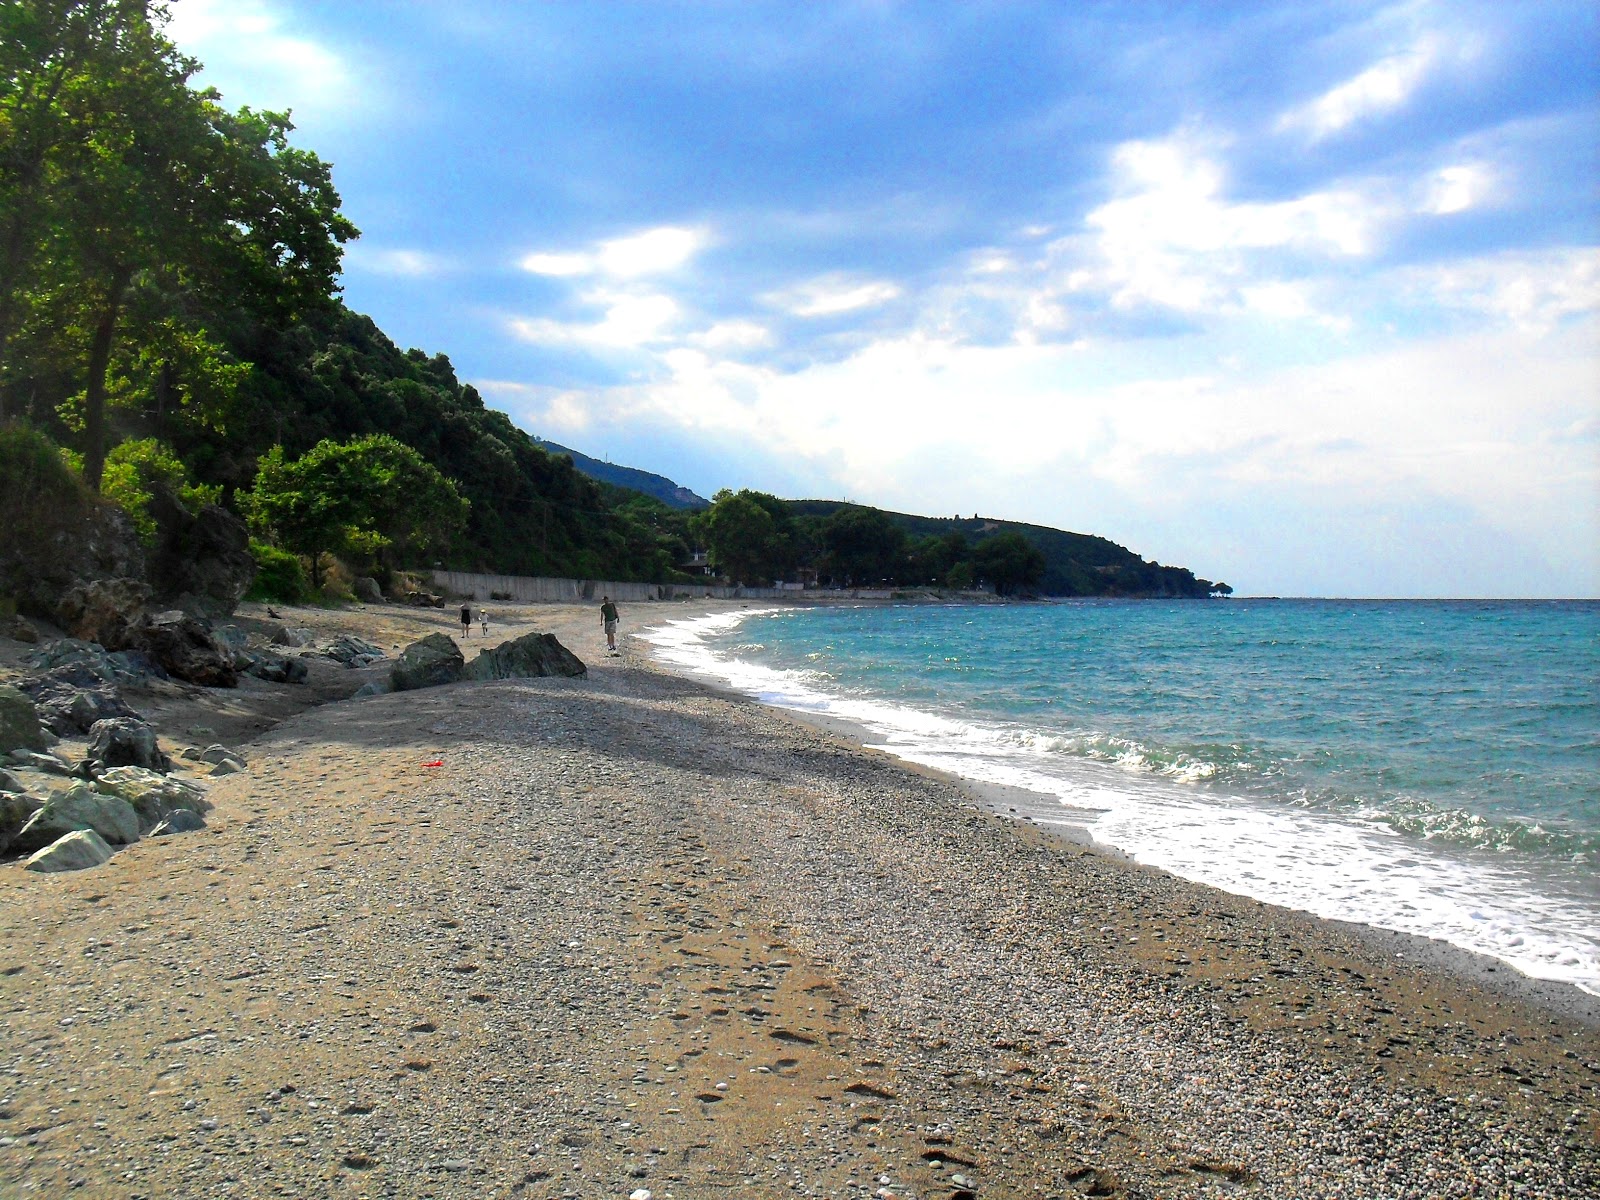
{"points": [[1427, 766]]}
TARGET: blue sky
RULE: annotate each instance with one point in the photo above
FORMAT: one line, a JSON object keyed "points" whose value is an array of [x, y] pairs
{"points": [[1300, 295]]}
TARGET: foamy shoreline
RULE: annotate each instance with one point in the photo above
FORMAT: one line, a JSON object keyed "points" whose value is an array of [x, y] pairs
{"points": [[635, 934]]}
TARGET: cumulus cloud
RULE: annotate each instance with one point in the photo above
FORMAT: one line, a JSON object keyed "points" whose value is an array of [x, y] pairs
{"points": [[252, 58], [629, 322], [649, 252], [832, 295], [1382, 88]]}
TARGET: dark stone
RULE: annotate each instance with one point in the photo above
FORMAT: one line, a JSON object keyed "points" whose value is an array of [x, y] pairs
{"points": [[103, 610], [18, 629], [47, 550], [16, 810], [434, 660], [530, 656], [367, 590], [184, 647], [354, 652], [278, 668], [424, 599], [71, 699], [179, 820], [202, 561], [19, 721], [125, 742]]}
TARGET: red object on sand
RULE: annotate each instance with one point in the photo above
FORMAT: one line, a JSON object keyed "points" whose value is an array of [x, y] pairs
{"points": [[438, 762]]}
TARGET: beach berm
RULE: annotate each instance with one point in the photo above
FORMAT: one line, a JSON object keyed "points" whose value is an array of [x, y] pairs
{"points": [[635, 935]]}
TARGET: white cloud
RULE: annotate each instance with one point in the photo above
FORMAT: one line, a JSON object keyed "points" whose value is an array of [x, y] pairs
{"points": [[1458, 188], [733, 335], [1381, 88], [1531, 291], [252, 59], [832, 295], [630, 322], [648, 252]]}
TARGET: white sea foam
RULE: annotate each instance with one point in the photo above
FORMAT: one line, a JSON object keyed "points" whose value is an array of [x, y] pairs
{"points": [[1331, 866]]}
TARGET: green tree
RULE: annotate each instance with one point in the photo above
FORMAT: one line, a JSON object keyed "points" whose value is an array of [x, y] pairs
{"points": [[863, 545], [747, 533], [123, 180], [365, 498], [1009, 561]]}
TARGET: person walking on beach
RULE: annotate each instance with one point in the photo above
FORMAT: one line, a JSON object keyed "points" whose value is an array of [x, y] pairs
{"points": [[608, 614], [483, 620], [466, 620]]}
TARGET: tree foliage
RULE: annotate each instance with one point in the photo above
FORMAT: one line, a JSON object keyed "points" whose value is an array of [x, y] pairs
{"points": [[749, 534]]}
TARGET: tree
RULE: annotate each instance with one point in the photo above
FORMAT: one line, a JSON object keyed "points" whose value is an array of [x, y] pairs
{"points": [[1009, 561], [863, 545], [363, 498], [748, 534], [119, 178]]}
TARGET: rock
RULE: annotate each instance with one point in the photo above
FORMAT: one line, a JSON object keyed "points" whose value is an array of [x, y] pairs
{"points": [[19, 721], [125, 742], [529, 657], [231, 637], [424, 599], [126, 668], [16, 808], [61, 542], [103, 610], [202, 560], [152, 796], [80, 807], [39, 761], [218, 753], [71, 699], [74, 851], [184, 647], [375, 688], [282, 635], [367, 590], [434, 660], [18, 629], [354, 652], [278, 668], [179, 820]]}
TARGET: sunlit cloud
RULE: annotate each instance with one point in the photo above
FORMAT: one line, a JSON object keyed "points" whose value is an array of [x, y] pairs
{"points": [[630, 322], [1457, 189], [1530, 291], [393, 261], [649, 252], [1381, 88], [252, 58], [833, 295]]}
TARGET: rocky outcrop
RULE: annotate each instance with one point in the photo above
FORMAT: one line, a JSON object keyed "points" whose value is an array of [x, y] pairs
{"points": [[57, 545], [127, 668], [354, 652], [530, 656], [202, 561], [278, 668], [18, 629], [71, 699], [19, 722], [125, 742], [184, 647], [16, 809], [434, 660], [75, 851], [103, 610]]}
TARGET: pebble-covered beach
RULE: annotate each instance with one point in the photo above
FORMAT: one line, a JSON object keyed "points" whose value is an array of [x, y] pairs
{"points": [[634, 937]]}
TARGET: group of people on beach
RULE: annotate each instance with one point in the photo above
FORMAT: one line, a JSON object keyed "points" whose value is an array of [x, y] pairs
{"points": [[608, 618]]}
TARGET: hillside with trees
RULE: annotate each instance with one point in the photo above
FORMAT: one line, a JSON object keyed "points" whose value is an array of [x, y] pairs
{"points": [[171, 329]]}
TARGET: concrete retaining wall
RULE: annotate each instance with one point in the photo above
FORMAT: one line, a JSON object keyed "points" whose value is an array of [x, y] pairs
{"points": [[535, 589]]}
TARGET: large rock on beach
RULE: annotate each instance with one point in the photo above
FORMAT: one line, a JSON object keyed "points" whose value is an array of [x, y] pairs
{"points": [[71, 699], [184, 647], [103, 611], [153, 796], [16, 809], [529, 657], [278, 668], [367, 590], [126, 668], [79, 807], [125, 742], [434, 660], [179, 820], [356, 652], [18, 629], [19, 722], [48, 549], [202, 561], [75, 851]]}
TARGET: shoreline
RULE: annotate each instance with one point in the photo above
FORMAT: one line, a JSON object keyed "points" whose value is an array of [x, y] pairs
{"points": [[636, 934], [1051, 815]]}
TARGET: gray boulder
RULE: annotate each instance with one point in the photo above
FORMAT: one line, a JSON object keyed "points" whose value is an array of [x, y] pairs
{"points": [[39, 760], [179, 820], [16, 809], [71, 699], [373, 688], [75, 851], [434, 660], [51, 542], [278, 668], [355, 652], [125, 742], [202, 560], [19, 722], [152, 795], [103, 610], [367, 590], [126, 668], [184, 647], [284, 635], [529, 657], [80, 807], [18, 629]]}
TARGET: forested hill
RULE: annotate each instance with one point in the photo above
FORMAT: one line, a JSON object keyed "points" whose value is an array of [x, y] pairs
{"points": [[671, 494]]}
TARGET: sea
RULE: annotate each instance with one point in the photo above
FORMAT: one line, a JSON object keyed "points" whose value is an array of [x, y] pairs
{"points": [[1430, 767]]}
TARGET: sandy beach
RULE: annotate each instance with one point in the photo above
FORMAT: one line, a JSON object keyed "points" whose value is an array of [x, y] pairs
{"points": [[635, 935]]}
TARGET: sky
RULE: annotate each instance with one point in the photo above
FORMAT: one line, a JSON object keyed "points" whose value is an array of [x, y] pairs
{"points": [[1301, 295]]}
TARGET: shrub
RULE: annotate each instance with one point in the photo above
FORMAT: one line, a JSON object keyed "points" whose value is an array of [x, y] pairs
{"points": [[134, 467], [279, 578]]}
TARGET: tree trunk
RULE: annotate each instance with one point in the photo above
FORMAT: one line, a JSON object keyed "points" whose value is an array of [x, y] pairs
{"points": [[94, 401]]}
